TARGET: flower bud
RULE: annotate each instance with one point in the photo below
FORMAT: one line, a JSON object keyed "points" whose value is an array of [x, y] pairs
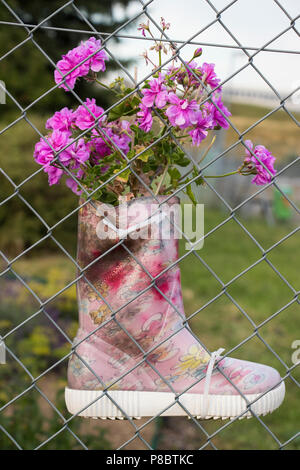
{"points": [[186, 80], [164, 24], [198, 52]]}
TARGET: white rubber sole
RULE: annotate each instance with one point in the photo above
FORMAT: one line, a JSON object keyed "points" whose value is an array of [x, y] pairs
{"points": [[138, 404]]}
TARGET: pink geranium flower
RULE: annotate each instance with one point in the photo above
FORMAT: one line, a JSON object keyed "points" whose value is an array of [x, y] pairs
{"points": [[217, 117], [98, 146], [76, 154], [73, 185], [97, 61], [43, 152], [200, 131], [66, 64], [182, 113], [61, 120], [145, 119], [54, 174], [101, 148], [263, 175], [209, 76], [85, 119], [74, 57], [44, 155], [119, 132], [157, 93]]}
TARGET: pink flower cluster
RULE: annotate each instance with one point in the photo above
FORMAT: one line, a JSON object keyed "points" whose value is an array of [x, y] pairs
{"points": [[157, 94], [105, 140], [214, 110], [70, 153], [202, 125], [183, 113], [187, 97], [102, 141], [263, 174], [206, 73], [87, 52], [85, 118]]}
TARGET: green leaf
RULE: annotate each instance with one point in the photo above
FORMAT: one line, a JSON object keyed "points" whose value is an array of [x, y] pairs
{"points": [[135, 101], [179, 158], [124, 175], [190, 194], [127, 91], [146, 155], [122, 109], [199, 181], [109, 197], [130, 154], [175, 175]]}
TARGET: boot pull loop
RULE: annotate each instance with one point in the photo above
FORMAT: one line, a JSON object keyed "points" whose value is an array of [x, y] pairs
{"points": [[213, 357]]}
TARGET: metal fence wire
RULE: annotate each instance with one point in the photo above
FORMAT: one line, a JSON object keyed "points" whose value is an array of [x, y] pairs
{"points": [[144, 14]]}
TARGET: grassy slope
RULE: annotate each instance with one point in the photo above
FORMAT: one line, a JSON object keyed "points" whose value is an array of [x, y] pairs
{"points": [[278, 132]]}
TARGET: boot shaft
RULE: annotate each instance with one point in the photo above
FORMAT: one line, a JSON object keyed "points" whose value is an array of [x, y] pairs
{"points": [[124, 277]]}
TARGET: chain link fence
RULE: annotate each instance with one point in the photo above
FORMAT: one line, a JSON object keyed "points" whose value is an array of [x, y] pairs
{"points": [[135, 431]]}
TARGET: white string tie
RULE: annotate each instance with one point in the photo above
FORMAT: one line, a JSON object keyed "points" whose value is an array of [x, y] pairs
{"points": [[213, 357]]}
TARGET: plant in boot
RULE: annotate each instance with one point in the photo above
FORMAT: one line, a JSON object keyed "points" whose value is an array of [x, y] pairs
{"points": [[134, 146], [133, 344]]}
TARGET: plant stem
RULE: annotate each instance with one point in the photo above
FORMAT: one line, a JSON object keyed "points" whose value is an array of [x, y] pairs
{"points": [[174, 73], [104, 86], [222, 176], [163, 130], [201, 159], [208, 149], [162, 179]]}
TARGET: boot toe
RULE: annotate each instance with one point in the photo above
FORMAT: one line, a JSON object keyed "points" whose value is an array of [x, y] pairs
{"points": [[250, 377]]}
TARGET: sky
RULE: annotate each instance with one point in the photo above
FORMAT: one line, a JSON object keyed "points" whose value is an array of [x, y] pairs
{"points": [[252, 22]]}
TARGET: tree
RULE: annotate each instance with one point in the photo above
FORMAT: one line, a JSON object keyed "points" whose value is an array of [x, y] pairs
{"points": [[26, 71], [28, 74]]}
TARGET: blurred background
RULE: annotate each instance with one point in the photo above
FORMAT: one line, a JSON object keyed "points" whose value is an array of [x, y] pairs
{"points": [[269, 217]]}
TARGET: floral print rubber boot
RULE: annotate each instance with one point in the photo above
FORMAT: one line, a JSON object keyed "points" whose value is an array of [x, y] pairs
{"points": [[133, 354]]}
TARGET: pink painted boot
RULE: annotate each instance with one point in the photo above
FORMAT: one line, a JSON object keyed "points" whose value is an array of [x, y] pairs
{"points": [[134, 343]]}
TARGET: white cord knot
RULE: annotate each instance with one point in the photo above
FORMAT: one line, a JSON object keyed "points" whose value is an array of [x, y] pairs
{"points": [[213, 357]]}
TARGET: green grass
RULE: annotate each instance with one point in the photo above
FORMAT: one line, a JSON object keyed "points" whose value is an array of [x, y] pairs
{"points": [[255, 112], [260, 293]]}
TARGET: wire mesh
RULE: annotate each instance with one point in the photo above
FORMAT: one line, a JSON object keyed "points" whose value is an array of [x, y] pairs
{"points": [[250, 52]]}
